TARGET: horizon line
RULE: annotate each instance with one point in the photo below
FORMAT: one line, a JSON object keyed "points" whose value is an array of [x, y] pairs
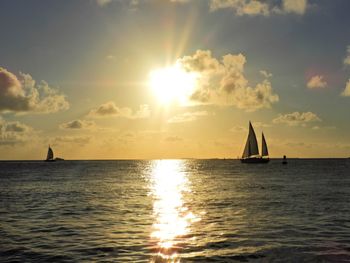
{"points": [[153, 159]]}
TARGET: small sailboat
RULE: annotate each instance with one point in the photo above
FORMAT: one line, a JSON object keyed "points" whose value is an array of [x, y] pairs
{"points": [[251, 149], [49, 157]]}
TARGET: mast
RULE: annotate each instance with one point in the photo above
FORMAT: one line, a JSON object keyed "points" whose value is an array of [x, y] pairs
{"points": [[264, 151]]}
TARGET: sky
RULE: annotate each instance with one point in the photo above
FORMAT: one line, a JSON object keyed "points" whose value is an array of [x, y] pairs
{"points": [[153, 79]]}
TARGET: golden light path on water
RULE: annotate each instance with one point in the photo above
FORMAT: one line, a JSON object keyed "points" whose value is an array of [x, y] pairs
{"points": [[169, 183]]}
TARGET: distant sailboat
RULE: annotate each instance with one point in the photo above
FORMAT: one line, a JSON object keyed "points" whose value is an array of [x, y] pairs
{"points": [[251, 150], [49, 157]]}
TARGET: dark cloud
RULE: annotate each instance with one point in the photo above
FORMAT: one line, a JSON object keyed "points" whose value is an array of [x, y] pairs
{"points": [[78, 124], [12, 133], [109, 109], [23, 95]]}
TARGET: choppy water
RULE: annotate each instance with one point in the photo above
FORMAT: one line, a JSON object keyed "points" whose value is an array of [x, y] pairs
{"points": [[175, 210]]}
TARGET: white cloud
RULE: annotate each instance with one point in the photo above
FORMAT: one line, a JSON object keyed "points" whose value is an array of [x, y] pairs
{"points": [[188, 116], [346, 92], [265, 74], [109, 109], [259, 7], [317, 82], [297, 118], [23, 95], [223, 82], [347, 58], [78, 125]]}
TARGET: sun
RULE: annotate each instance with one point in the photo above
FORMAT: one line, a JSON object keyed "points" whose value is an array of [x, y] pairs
{"points": [[172, 84]]}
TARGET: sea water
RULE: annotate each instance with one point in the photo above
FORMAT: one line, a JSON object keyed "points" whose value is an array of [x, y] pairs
{"points": [[175, 211]]}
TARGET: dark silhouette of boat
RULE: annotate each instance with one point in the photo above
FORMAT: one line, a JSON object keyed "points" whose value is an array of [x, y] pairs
{"points": [[251, 149], [284, 160], [49, 157]]}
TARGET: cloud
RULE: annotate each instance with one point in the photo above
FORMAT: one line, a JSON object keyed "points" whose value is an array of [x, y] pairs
{"points": [[188, 116], [238, 129], [259, 7], [261, 125], [346, 92], [78, 125], [317, 82], [109, 109], [23, 95], [131, 3], [103, 2], [265, 74], [297, 118], [80, 140], [223, 82], [294, 6], [12, 133], [173, 139], [241, 7], [347, 58], [110, 57]]}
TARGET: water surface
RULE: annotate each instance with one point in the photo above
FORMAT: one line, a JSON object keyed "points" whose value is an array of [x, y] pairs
{"points": [[175, 211]]}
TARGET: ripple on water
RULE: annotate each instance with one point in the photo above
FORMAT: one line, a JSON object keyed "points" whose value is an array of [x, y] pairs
{"points": [[175, 210]]}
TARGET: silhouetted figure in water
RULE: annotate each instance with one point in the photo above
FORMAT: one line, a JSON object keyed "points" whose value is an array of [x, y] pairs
{"points": [[284, 160]]}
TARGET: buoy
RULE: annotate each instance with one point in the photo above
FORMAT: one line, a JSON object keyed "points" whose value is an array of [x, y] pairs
{"points": [[284, 160]]}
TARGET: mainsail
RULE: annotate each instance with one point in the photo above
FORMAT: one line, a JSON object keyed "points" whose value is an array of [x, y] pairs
{"points": [[49, 154], [251, 146], [264, 151]]}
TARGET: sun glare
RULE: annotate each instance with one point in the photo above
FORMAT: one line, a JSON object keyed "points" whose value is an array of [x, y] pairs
{"points": [[172, 84], [173, 219]]}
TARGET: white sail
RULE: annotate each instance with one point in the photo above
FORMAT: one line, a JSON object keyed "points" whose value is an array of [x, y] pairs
{"points": [[49, 154], [251, 146], [264, 151]]}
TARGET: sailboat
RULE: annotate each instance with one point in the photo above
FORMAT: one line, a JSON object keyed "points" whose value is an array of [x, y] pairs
{"points": [[251, 149], [49, 157]]}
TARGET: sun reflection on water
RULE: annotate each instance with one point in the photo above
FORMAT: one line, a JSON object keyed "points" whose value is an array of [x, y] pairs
{"points": [[169, 183]]}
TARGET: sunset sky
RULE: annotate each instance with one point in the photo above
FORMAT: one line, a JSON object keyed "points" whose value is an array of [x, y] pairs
{"points": [[114, 79]]}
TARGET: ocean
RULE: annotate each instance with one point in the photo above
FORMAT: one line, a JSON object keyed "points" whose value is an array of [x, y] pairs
{"points": [[175, 211]]}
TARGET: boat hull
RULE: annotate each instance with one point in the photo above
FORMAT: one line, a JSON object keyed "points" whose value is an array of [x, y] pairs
{"points": [[255, 160], [55, 160]]}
